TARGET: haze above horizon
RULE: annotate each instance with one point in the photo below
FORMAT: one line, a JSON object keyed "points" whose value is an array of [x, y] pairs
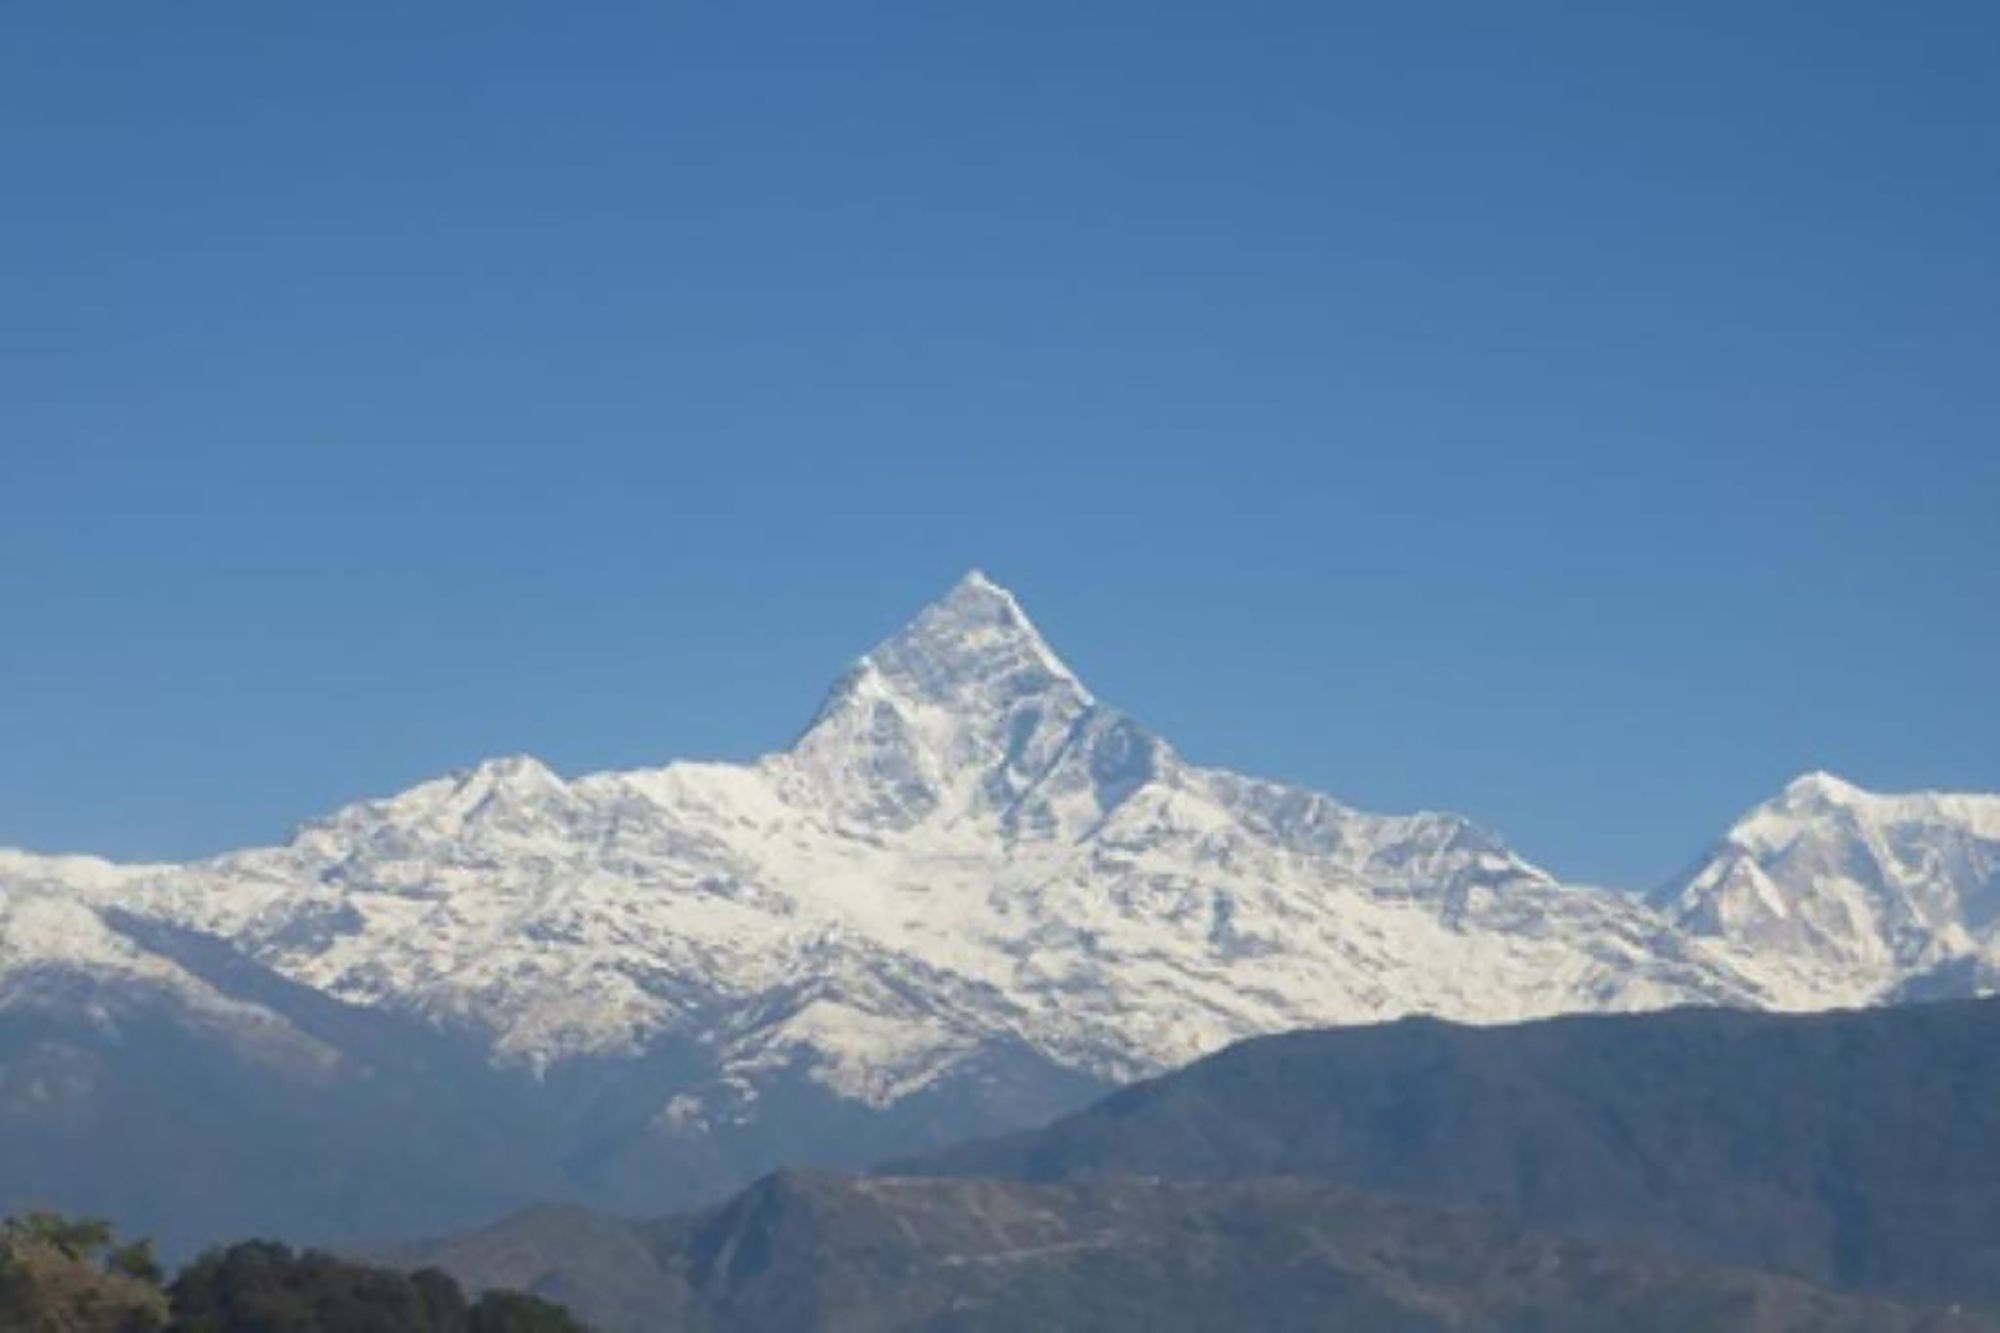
{"points": [[1582, 421]]}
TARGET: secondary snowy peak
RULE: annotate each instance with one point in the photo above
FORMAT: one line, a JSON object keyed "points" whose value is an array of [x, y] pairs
{"points": [[1820, 789], [1830, 872]]}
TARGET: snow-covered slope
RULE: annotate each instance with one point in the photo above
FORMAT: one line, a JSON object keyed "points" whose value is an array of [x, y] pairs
{"points": [[1890, 889], [59, 953], [965, 857]]}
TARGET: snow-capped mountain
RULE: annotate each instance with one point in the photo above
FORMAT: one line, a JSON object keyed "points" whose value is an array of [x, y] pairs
{"points": [[1891, 888], [963, 845], [967, 895]]}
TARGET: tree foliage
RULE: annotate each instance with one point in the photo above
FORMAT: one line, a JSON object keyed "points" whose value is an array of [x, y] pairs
{"points": [[64, 1275], [69, 1275]]}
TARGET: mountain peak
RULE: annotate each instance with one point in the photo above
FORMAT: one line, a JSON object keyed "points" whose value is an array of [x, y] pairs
{"points": [[976, 600], [515, 775], [975, 583], [1820, 787], [508, 768], [962, 709], [969, 644]]}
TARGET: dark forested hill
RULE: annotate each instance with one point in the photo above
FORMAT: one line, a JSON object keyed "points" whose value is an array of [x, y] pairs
{"points": [[1859, 1148], [1685, 1170], [828, 1254]]}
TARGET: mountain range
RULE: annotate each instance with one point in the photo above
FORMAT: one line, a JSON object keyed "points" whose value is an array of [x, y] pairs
{"points": [[968, 897], [1689, 1169], [802, 1252]]}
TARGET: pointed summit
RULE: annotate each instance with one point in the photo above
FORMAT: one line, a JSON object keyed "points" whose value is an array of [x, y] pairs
{"points": [[960, 711], [977, 598], [969, 644], [974, 583]]}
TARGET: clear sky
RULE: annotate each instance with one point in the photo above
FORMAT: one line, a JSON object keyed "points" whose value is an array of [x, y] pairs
{"points": [[1582, 416]]}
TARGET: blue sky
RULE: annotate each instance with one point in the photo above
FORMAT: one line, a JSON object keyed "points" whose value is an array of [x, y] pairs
{"points": [[1581, 416]]}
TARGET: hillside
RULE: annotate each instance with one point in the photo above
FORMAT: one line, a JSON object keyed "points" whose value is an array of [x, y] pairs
{"points": [[1859, 1148], [823, 1254]]}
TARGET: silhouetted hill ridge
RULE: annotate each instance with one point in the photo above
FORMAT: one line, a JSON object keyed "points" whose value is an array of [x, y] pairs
{"points": [[808, 1252], [1860, 1148]]}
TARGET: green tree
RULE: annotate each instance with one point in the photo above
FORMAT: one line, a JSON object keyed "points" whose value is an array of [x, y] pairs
{"points": [[444, 1304], [135, 1259], [262, 1287], [72, 1275], [517, 1312], [66, 1275]]}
